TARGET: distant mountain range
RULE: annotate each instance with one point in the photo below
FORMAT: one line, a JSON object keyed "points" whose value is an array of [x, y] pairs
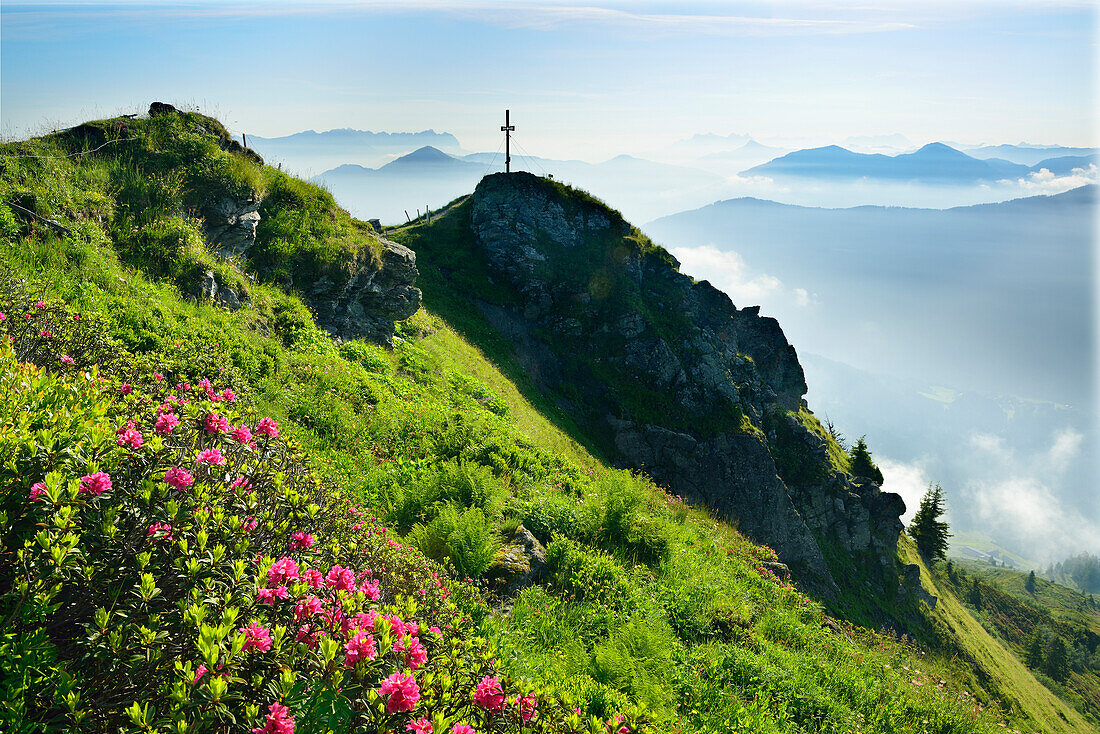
{"points": [[428, 176], [310, 151], [1025, 154], [934, 163]]}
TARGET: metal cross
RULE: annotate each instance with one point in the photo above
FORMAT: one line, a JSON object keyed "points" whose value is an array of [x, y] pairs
{"points": [[507, 130]]}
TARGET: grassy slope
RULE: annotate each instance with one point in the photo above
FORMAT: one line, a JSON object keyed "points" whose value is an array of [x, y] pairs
{"points": [[1001, 672], [648, 601]]}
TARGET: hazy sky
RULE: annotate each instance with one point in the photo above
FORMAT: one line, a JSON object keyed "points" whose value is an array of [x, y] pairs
{"points": [[585, 80]]}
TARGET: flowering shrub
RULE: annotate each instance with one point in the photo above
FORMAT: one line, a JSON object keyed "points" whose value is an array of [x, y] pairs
{"points": [[156, 574]]}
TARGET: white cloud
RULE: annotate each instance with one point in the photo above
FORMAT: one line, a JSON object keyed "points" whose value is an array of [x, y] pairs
{"points": [[1015, 500], [908, 480], [803, 298], [1067, 444], [1045, 182], [726, 271]]}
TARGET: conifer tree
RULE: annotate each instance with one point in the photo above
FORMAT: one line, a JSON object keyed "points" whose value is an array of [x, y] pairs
{"points": [[975, 595], [1033, 652], [929, 532], [1056, 664], [1030, 583], [862, 465]]}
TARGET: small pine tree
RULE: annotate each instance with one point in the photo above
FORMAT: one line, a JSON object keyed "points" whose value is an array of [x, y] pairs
{"points": [[1056, 664], [862, 465], [975, 595], [1033, 651], [951, 572], [929, 532], [1030, 583]]}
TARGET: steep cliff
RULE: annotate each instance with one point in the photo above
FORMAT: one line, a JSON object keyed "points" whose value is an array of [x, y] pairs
{"points": [[661, 373]]}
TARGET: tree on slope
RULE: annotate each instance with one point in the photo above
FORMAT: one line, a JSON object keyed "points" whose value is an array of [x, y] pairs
{"points": [[862, 465], [1030, 583], [929, 532]]}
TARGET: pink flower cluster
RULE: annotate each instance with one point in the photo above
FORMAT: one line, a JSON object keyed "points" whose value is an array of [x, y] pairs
{"points": [[360, 647], [130, 438], [166, 423], [159, 531], [95, 484], [215, 423], [302, 541], [278, 721], [268, 427], [401, 692], [489, 695], [213, 457], [178, 478], [257, 637], [38, 489]]}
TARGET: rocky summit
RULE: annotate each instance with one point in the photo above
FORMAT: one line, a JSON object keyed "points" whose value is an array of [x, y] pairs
{"points": [[665, 374]]}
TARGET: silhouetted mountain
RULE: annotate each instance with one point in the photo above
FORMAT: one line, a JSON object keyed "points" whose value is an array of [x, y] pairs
{"points": [[1067, 164], [934, 163], [311, 151], [1025, 154], [636, 186]]}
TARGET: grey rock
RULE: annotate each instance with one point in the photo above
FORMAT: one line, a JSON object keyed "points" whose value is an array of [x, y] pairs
{"points": [[231, 227], [207, 289], [366, 304], [520, 563]]}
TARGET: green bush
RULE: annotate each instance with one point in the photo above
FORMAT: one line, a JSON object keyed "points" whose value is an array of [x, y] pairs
{"points": [[464, 537]]}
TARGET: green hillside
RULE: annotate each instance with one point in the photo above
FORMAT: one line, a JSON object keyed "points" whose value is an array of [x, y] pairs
{"points": [[1052, 629], [415, 465]]}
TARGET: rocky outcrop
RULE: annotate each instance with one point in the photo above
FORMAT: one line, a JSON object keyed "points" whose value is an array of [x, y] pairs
{"points": [[366, 304], [666, 375], [362, 301], [231, 227]]}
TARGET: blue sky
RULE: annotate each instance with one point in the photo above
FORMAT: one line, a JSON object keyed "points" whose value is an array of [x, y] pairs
{"points": [[583, 80]]}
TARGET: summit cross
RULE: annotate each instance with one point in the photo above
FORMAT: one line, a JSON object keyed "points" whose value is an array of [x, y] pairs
{"points": [[507, 129]]}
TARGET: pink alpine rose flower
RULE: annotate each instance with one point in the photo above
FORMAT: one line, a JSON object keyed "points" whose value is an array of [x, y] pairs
{"points": [[463, 729], [489, 694], [281, 571], [419, 726], [40, 305], [95, 484], [340, 578], [301, 541], [210, 456], [241, 434], [178, 478], [199, 673], [215, 423], [278, 722], [66, 359], [166, 423], [268, 427], [256, 637], [359, 647], [155, 530], [314, 578], [38, 489], [401, 691], [130, 439], [307, 608], [126, 389]]}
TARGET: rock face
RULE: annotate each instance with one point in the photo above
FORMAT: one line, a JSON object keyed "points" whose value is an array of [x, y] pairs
{"points": [[666, 375], [358, 302], [231, 227], [366, 304]]}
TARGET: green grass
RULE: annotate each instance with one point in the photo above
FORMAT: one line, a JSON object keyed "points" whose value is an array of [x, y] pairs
{"points": [[992, 665], [648, 603]]}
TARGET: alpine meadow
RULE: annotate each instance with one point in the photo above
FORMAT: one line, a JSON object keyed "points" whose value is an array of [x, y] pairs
{"points": [[626, 427]]}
